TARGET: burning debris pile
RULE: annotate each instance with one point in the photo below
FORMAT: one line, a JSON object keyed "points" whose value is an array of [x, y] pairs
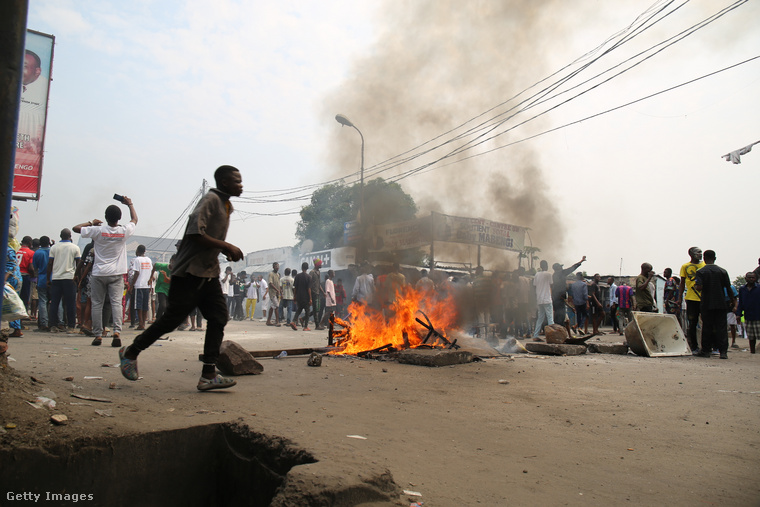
{"points": [[397, 327]]}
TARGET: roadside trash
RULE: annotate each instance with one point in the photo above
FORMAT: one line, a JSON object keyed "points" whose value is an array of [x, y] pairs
{"points": [[512, 346], [656, 335], [502, 381], [47, 393], [68, 379], [112, 385], [42, 401], [281, 355], [93, 378], [89, 398], [10, 426], [359, 437], [412, 493], [13, 307], [59, 419]]}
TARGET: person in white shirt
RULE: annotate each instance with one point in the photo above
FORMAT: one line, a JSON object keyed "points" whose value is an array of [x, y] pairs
{"points": [[263, 293], [61, 267], [110, 265], [613, 304], [141, 268], [543, 284], [330, 301], [226, 282]]}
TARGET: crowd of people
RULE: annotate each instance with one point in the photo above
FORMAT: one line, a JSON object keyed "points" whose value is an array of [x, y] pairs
{"points": [[520, 305], [68, 291]]}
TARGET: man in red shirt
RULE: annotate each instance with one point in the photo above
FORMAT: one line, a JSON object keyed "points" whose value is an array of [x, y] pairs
{"points": [[24, 260]]}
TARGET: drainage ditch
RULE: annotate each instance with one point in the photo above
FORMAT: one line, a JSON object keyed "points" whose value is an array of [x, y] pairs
{"points": [[214, 465]]}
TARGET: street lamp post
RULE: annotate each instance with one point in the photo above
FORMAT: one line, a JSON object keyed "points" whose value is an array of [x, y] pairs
{"points": [[343, 120]]}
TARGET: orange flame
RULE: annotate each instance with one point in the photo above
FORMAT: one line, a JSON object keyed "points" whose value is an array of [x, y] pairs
{"points": [[371, 330]]}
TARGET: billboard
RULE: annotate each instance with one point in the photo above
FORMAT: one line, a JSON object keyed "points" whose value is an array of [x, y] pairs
{"points": [[400, 235], [38, 65], [478, 231], [450, 229]]}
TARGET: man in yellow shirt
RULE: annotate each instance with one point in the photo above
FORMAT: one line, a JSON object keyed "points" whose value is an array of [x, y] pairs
{"points": [[693, 296]]}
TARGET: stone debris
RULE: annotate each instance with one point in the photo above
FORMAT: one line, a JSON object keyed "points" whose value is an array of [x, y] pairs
{"points": [[235, 360], [434, 357], [315, 359], [607, 348], [555, 349], [59, 419], [556, 334]]}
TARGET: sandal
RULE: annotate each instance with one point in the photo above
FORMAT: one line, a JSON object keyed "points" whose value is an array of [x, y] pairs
{"points": [[218, 382]]}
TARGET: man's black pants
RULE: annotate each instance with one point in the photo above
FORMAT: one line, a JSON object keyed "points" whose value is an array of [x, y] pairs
{"points": [[185, 294], [692, 316], [301, 305], [714, 331]]}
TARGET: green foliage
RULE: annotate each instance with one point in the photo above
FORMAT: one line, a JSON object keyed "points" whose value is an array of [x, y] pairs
{"points": [[332, 205], [739, 282]]}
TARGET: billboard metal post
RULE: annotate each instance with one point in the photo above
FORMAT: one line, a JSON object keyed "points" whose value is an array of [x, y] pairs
{"points": [[13, 15]]}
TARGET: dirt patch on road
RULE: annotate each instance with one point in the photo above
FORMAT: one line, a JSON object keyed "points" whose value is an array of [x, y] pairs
{"points": [[595, 429]]}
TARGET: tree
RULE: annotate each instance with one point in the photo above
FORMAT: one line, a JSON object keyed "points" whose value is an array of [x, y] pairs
{"points": [[530, 253], [739, 282], [322, 220], [520, 257], [333, 205]]}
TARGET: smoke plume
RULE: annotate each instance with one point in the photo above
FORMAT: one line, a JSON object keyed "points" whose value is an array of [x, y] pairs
{"points": [[435, 65]]}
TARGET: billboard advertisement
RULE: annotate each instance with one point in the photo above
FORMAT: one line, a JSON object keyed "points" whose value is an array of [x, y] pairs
{"points": [[450, 229], [400, 235], [478, 231], [38, 65]]}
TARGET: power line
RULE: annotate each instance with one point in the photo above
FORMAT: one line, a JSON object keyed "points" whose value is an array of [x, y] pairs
{"points": [[575, 122], [671, 41]]}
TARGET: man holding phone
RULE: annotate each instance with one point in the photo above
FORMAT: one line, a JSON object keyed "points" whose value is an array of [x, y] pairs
{"points": [[644, 297], [110, 265]]}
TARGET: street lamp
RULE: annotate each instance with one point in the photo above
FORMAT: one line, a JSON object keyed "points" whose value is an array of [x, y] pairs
{"points": [[343, 120]]}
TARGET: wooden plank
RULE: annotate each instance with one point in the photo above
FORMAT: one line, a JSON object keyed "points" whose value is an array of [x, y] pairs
{"points": [[292, 352]]}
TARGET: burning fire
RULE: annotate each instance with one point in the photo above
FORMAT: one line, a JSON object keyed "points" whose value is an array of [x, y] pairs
{"points": [[370, 330]]}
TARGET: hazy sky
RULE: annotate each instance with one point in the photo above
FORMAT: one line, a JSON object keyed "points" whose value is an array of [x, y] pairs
{"points": [[149, 97]]}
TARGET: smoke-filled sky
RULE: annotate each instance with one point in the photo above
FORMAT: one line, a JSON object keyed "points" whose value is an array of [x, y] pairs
{"points": [[149, 97]]}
